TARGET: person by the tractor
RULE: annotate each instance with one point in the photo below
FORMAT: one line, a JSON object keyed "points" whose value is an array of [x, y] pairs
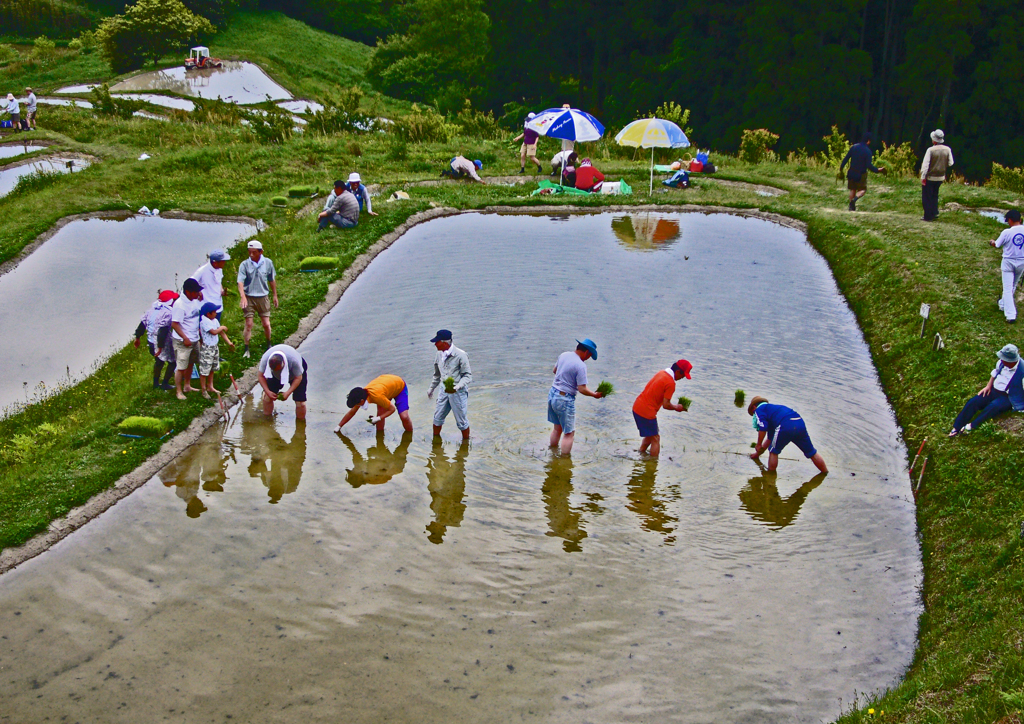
{"points": [[343, 210]]}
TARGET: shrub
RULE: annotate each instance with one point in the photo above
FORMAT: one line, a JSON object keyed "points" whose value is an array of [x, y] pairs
{"points": [[672, 111], [271, 126], [836, 147], [756, 145], [44, 50], [424, 126], [341, 115], [7, 54], [1004, 177], [149, 29], [208, 111], [397, 149], [514, 115], [108, 105], [27, 446], [899, 161], [476, 123]]}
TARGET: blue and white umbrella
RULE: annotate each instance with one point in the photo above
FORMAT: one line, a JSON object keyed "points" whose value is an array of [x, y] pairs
{"points": [[569, 124]]}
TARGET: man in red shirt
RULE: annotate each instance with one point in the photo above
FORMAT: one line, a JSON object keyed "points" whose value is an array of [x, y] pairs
{"points": [[657, 395], [588, 178]]}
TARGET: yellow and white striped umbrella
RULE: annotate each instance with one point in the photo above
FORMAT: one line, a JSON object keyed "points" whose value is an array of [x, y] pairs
{"points": [[652, 133]]}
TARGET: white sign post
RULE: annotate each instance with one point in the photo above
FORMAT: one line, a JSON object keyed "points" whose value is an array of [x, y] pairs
{"points": [[925, 311]]}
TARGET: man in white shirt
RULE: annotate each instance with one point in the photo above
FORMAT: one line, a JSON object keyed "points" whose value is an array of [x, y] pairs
{"points": [[185, 323], [1011, 241], [15, 110], [30, 109], [936, 163], [211, 278]]}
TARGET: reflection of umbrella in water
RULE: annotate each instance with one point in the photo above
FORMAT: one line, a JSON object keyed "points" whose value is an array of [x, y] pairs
{"points": [[646, 230]]}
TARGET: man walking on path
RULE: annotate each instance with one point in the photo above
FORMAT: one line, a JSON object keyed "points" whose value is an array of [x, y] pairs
{"points": [[781, 426], [570, 377], [450, 361], [657, 395], [279, 366], [211, 278], [529, 147], [185, 323], [256, 280], [30, 109], [380, 391], [1011, 241], [936, 163], [859, 157], [342, 211]]}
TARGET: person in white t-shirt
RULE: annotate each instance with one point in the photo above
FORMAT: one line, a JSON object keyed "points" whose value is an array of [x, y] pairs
{"points": [[1011, 241], [211, 331], [211, 278], [185, 323]]}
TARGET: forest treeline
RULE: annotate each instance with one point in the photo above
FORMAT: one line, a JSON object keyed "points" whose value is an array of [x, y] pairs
{"points": [[896, 68]]}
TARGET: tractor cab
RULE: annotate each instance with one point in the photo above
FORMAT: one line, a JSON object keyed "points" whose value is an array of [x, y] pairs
{"points": [[199, 58]]}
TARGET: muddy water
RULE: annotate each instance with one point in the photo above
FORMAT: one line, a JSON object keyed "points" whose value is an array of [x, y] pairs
{"points": [[182, 104], [79, 296], [238, 82], [53, 164], [10, 150], [279, 572]]}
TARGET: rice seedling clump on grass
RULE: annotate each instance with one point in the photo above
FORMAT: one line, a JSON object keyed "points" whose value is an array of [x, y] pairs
{"points": [[145, 426], [301, 192], [605, 388], [278, 201], [318, 263]]}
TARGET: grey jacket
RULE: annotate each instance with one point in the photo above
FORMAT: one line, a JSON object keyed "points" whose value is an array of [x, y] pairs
{"points": [[456, 365]]}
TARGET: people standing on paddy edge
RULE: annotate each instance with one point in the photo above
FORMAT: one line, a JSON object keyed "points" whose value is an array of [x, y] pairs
{"points": [[657, 395], [185, 322], [781, 426], [31, 106], [859, 157], [15, 110], [256, 280], [211, 331], [1011, 241], [279, 366], [570, 377], [528, 149], [450, 361], [156, 325], [342, 209], [1004, 391], [936, 163], [211, 278], [380, 391]]}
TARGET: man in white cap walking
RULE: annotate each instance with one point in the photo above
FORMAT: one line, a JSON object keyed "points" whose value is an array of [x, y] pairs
{"points": [[529, 147], [936, 163], [256, 280]]}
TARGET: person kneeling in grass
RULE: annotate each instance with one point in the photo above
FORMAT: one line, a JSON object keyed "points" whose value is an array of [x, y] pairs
{"points": [[656, 396], [1004, 391], [781, 426], [282, 365], [211, 331], [380, 391]]}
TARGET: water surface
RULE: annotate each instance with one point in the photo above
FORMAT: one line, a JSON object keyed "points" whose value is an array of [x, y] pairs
{"points": [[10, 150], [182, 104], [87, 287], [52, 164], [281, 572], [237, 82]]}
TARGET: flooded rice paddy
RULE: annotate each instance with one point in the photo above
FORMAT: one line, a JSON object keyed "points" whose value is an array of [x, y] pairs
{"points": [[86, 289], [237, 82], [181, 104], [9, 177], [281, 572], [12, 150]]}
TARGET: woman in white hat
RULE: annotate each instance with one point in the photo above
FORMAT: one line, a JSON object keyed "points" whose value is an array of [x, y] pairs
{"points": [[1004, 392], [15, 110], [355, 185]]}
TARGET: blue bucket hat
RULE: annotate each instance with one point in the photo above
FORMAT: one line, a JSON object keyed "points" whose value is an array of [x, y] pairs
{"points": [[1008, 354], [207, 308], [590, 345], [478, 163]]}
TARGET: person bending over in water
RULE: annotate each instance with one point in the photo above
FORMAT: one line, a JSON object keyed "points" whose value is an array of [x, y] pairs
{"points": [[380, 391], [781, 426]]}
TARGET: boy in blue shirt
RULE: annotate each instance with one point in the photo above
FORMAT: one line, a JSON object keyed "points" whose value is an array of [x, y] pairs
{"points": [[781, 426]]}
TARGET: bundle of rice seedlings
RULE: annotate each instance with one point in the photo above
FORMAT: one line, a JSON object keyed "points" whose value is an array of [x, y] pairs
{"points": [[740, 395], [144, 426], [605, 388], [449, 385], [278, 201], [318, 263], [225, 367], [685, 402], [301, 192]]}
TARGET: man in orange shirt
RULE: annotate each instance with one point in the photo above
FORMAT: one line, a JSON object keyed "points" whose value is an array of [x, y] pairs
{"points": [[656, 395], [380, 391]]}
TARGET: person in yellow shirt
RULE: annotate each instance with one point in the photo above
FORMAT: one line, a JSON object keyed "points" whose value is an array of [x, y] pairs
{"points": [[389, 393]]}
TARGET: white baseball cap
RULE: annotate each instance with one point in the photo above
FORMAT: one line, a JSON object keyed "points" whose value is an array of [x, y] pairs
{"points": [[255, 245], [353, 178]]}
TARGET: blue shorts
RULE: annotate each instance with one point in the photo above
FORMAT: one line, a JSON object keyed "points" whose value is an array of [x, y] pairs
{"points": [[562, 410], [646, 426], [793, 431], [402, 401]]}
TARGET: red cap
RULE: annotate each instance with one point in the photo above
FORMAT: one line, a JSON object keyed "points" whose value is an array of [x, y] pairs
{"points": [[684, 367], [167, 295]]}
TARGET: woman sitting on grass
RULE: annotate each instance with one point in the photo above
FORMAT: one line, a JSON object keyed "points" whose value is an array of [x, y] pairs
{"points": [[588, 178], [1003, 392]]}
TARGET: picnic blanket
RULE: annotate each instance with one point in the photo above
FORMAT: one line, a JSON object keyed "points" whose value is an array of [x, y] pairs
{"points": [[624, 188]]}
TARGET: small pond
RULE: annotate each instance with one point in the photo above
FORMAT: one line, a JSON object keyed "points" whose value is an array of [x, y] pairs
{"points": [[182, 104], [65, 102], [52, 164], [238, 82], [10, 150], [87, 288], [278, 571], [301, 106]]}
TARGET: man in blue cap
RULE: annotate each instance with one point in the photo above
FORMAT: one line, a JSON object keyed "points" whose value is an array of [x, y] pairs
{"points": [[211, 278], [462, 167], [450, 361], [570, 377]]}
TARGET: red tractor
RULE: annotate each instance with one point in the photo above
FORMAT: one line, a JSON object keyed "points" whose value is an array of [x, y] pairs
{"points": [[199, 59]]}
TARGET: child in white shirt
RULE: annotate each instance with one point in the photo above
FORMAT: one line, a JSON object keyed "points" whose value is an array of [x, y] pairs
{"points": [[211, 330]]}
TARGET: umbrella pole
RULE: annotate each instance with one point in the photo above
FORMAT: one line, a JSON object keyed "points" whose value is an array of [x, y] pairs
{"points": [[650, 191]]}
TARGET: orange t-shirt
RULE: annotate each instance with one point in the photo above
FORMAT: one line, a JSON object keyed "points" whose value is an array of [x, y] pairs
{"points": [[661, 387], [382, 390]]}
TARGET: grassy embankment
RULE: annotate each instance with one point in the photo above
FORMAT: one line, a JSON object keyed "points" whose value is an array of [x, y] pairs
{"points": [[969, 666]]}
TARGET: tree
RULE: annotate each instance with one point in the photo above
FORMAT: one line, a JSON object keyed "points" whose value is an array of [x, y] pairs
{"points": [[149, 30]]}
